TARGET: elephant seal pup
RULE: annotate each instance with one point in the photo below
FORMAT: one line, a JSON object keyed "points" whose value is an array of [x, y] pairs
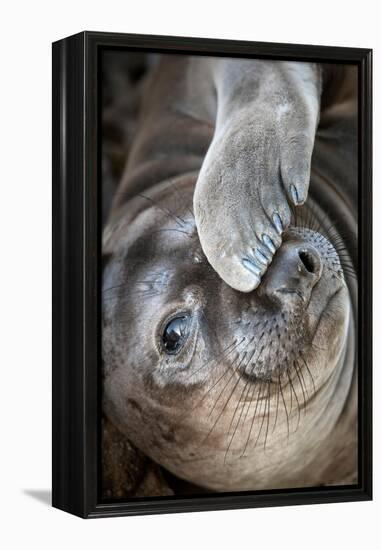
{"points": [[227, 383]]}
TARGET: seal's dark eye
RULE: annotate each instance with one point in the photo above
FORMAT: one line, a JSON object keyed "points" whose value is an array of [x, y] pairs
{"points": [[175, 334]]}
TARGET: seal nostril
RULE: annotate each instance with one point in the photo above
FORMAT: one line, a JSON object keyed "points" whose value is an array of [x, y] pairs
{"points": [[308, 261]]}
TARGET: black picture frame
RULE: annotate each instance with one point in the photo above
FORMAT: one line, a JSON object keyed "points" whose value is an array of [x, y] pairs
{"points": [[76, 274]]}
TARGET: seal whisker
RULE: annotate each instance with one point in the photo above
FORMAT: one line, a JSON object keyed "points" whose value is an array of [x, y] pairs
{"points": [[301, 385], [224, 353], [221, 412], [277, 403], [246, 389], [268, 401], [300, 370], [251, 387], [166, 211], [263, 418], [285, 410], [235, 344], [248, 382], [308, 370], [289, 385], [213, 386], [235, 429], [232, 375], [226, 370], [296, 398], [227, 383], [113, 287], [253, 419], [147, 293], [172, 229], [223, 374]]}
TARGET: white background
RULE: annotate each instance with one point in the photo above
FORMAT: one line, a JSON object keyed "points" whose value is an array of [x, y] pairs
{"points": [[27, 30]]}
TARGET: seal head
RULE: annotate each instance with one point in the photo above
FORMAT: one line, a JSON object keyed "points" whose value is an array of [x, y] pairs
{"points": [[224, 389]]}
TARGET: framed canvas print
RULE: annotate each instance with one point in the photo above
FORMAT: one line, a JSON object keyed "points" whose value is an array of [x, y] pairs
{"points": [[211, 274]]}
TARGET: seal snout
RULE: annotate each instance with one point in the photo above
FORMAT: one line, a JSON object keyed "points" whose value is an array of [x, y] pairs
{"points": [[296, 269]]}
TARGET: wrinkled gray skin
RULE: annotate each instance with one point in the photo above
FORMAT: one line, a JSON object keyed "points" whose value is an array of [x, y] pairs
{"points": [[262, 392]]}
